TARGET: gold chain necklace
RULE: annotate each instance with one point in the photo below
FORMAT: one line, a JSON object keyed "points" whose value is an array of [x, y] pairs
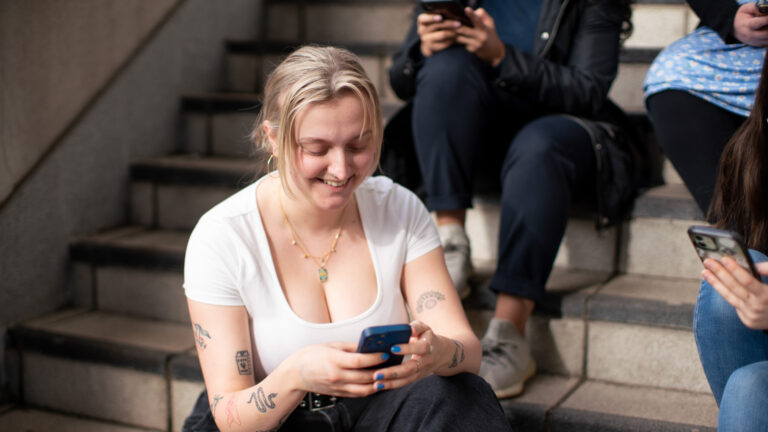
{"points": [[321, 261]]}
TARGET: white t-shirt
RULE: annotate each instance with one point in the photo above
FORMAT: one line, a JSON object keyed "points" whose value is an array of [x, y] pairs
{"points": [[228, 262]]}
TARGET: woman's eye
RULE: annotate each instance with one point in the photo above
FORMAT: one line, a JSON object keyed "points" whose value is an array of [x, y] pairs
{"points": [[314, 150]]}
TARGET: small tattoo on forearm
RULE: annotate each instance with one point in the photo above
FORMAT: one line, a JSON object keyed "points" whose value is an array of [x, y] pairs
{"points": [[429, 300], [233, 416], [243, 360], [216, 400], [261, 401], [201, 333], [458, 354]]}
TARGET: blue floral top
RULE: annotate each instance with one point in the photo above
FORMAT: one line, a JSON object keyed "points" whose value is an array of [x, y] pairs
{"points": [[702, 64]]}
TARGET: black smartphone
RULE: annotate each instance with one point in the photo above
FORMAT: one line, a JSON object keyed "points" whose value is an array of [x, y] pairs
{"points": [[716, 243], [762, 6], [381, 339], [449, 9]]}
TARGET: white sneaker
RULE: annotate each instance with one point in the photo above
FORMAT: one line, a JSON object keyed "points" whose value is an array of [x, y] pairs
{"points": [[457, 256], [507, 361]]}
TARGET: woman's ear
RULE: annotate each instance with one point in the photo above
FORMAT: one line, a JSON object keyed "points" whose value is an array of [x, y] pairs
{"points": [[271, 133]]}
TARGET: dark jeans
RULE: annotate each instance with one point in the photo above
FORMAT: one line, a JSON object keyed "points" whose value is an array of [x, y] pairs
{"points": [[463, 402], [693, 133], [466, 127]]}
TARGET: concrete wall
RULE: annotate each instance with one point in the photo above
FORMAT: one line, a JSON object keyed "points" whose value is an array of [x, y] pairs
{"points": [[55, 59]]}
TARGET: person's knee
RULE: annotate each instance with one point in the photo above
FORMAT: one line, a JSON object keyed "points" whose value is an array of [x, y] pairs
{"points": [[450, 70], [747, 389], [535, 145]]}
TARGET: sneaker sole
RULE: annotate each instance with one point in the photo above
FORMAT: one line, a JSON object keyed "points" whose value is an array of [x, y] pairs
{"points": [[516, 389]]}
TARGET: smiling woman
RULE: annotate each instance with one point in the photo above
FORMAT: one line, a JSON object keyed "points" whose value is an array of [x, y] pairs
{"points": [[283, 277]]}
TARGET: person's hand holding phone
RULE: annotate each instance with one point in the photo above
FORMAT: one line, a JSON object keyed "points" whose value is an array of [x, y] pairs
{"points": [[482, 39], [335, 369], [429, 353], [748, 295], [436, 33], [750, 26]]}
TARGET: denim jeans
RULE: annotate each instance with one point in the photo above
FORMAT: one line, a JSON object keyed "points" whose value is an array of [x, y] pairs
{"points": [[735, 361], [463, 402]]}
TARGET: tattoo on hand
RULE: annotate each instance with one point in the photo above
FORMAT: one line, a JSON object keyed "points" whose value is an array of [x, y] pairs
{"points": [[458, 354], [429, 300], [243, 361], [261, 401], [233, 416], [200, 333], [216, 400]]}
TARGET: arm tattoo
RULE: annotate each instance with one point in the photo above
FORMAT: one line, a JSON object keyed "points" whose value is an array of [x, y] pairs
{"points": [[216, 400], [261, 401], [429, 300], [233, 416], [243, 361], [458, 354], [200, 333]]}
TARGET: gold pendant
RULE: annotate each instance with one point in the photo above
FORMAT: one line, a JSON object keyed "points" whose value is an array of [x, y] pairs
{"points": [[322, 273]]}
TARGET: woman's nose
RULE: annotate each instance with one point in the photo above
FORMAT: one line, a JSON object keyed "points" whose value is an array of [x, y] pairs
{"points": [[338, 166]]}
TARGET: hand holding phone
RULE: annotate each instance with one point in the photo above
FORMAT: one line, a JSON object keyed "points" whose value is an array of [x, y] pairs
{"points": [[762, 6], [716, 243], [381, 339]]}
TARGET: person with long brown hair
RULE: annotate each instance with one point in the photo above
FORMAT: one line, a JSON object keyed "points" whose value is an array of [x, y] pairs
{"points": [[731, 317]]}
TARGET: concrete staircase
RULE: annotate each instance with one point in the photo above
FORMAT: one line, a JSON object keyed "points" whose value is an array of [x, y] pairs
{"points": [[613, 342]]}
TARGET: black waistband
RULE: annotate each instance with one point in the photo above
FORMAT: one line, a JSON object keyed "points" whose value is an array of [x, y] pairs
{"points": [[317, 401]]}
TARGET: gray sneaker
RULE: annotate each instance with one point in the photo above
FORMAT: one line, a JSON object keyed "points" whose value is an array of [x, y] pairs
{"points": [[507, 361], [457, 256]]}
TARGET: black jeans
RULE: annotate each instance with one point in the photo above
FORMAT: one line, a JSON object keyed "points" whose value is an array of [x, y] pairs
{"points": [[466, 128], [463, 402], [693, 133]]}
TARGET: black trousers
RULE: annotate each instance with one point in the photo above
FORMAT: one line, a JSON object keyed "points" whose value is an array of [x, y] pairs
{"points": [[693, 133], [463, 402], [466, 128]]}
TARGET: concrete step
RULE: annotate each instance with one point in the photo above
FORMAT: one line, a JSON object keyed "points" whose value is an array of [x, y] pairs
{"points": [[104, 366], [131, 270], [558, 403], [37, 420], [219, 123]]}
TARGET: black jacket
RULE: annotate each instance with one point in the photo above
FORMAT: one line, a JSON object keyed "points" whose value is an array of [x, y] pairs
{"points": [[574, 61]]}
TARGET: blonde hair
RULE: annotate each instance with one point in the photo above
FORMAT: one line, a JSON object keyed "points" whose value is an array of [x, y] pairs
{"points": [[313, 74]]}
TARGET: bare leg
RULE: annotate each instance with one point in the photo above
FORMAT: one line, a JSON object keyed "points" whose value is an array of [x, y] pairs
{"points": [[451, 217], [514, 309]]}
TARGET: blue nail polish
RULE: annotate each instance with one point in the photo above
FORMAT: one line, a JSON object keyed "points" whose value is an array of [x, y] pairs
{"points": [[379, 377], [396, 349], [379, 386], [385, 356]]}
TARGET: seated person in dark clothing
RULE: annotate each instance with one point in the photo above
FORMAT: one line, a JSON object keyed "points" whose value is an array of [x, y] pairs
{"points": [[521, 94]]}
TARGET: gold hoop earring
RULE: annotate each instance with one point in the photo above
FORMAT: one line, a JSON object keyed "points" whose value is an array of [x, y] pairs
{"points": [[269, 162]]}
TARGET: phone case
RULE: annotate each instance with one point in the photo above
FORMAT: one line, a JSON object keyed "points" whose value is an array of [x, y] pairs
{"points": [[716, 243], [762, 6], [449, 9], [381, 339]]}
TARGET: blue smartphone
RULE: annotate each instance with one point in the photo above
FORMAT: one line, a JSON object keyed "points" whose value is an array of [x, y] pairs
{"points": [[381, 339]]}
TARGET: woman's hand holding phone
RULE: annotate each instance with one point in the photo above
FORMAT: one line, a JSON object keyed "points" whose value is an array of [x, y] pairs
{"points": [[748, 295], [750, 26]]}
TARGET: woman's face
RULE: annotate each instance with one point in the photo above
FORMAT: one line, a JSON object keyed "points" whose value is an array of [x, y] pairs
{"points": [[332, 157]]}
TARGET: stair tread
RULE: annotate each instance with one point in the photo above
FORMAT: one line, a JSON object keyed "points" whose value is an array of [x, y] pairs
{"points": [[118, 329], [133, 246], [647, 300], [635, 408], [191, 169], [672, 201], [27, 419]]}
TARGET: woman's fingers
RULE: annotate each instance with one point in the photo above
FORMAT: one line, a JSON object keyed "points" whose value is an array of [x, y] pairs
{"points": [[726, 279]]}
